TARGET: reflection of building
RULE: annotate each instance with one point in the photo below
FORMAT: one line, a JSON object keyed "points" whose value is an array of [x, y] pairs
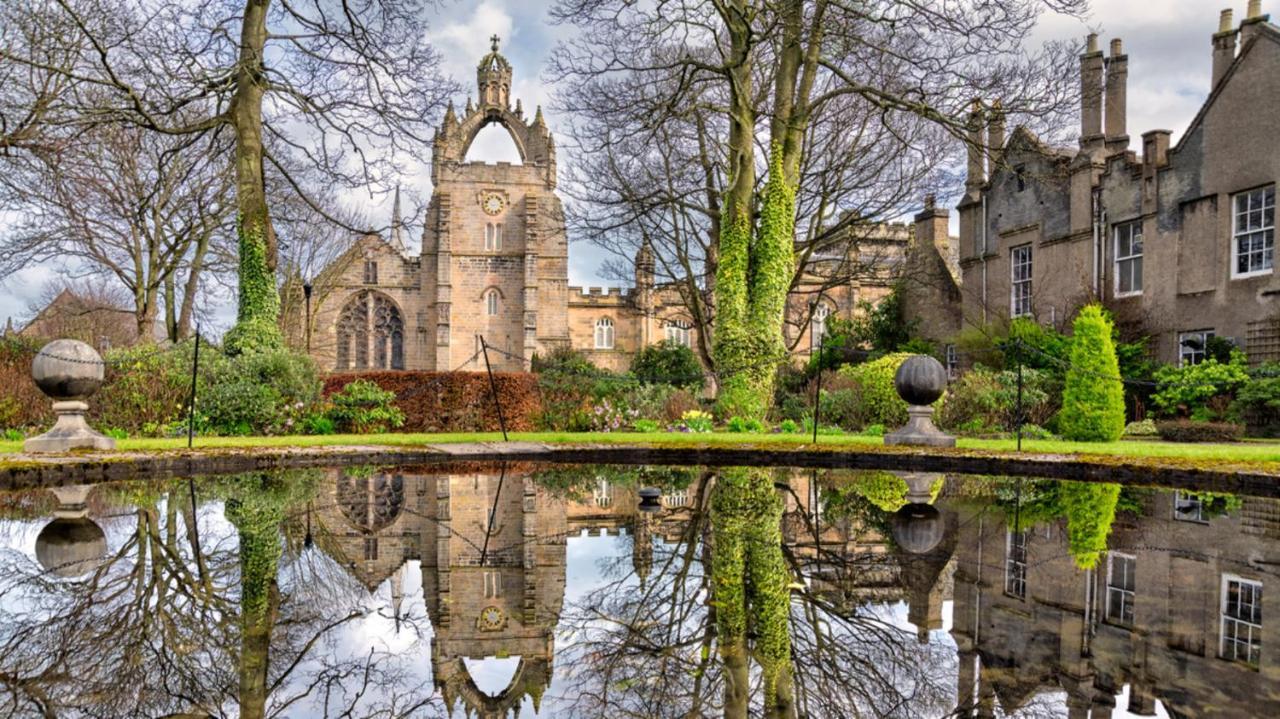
{"points": [[1175, 610], [491, 547]]}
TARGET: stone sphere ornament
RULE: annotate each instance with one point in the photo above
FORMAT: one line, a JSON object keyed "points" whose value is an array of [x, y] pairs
{"points": [[920, 381], [69, 372], [71, 547], [917, 528]]}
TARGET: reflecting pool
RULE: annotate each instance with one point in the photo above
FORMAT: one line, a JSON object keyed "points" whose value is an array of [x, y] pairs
{"points": [[527, 590]]}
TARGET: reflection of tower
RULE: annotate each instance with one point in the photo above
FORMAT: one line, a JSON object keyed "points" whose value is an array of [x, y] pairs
{"points": [[72, 544], [498, 577], [642, 545]]}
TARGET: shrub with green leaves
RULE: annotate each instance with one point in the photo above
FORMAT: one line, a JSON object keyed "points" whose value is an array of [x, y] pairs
{"points": [[788, 426], [745, 424], [667, 363], [1142, 428], [877, 399], [1093, 394], [696, 421], [988, 400], [645, 425], [1091, 509], [262, 393], [363, 407], [1200, 391], [1257, 403]]}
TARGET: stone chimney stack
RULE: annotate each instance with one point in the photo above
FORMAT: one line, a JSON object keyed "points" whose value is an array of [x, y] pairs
{"points": [[976, 175], [932, 229], [1155, 148], [1224, 47], [995, 136], [1252, 21], [1091, 66], [1117, 114]]}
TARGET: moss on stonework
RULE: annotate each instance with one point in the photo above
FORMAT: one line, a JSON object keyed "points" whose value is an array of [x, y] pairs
{"points": [[258, 313]]}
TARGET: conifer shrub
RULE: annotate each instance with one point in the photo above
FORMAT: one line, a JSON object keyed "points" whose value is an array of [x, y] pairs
{"points": [[1093, 395]]}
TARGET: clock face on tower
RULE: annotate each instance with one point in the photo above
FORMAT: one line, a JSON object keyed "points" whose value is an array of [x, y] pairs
{"points": [[492, 203], [491, 619]]}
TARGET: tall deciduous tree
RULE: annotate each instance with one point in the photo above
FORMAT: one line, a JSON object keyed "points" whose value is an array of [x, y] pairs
{"points": [[763, 73], [341, 86]]}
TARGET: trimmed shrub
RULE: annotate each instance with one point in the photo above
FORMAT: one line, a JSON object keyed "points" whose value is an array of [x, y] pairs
{"points": [[877, 400], [1093, 395], [453, 401], [1185, 430], [264, 393], [788, 426], [1090, 508], [22, 404], [667, 363], [1143, 428], [363, 407]]}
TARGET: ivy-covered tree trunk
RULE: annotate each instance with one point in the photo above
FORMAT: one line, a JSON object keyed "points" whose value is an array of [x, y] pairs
{"points": [[257, 316], [257, 516], [757, 259], [751, 588]]}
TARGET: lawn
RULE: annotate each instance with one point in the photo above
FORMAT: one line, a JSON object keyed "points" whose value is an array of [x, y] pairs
{"points": [[1249, 452]]}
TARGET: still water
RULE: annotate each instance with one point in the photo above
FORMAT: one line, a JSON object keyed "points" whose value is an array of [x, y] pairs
{"points": [[553, 591]]}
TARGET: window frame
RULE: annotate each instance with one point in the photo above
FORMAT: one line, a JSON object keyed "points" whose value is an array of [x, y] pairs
{"points": [[1134, 228], [370, 271], [604, 333], [1238, 621], [492, 302], [1237, 233], [678, 332], [493, 236], [1127, 596], [1015, 584], [1199, 517], [1203, 352], [1016, 285], [951, 360]]}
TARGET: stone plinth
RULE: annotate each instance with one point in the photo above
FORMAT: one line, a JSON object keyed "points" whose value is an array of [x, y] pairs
{"points": [[68, 372], [920, 381]]}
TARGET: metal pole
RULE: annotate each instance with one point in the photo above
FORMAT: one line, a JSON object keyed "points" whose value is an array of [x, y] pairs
{"points": [[1018, 348], [195, 526], [817, 388], [306, 295], [493, 388], [191, 407]]}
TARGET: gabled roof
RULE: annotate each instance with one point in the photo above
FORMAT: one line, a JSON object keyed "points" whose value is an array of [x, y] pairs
{"points": [[1265, 30]]}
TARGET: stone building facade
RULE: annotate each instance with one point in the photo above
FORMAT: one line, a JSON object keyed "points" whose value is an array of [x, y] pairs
{"points": [[1178, 241], [494, 263]]}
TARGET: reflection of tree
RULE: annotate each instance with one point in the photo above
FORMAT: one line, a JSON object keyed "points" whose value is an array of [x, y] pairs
{"points": [[179, 620], [1088, 507], [826, 657]]}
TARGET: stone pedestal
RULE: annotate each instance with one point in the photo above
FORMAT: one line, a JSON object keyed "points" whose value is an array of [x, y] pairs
{"points": [[70, 432], [920, 430], [68, 372]]}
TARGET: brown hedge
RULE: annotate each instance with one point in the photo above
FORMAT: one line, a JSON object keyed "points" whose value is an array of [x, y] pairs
{"points": [[1185, 430], [453, 401]]}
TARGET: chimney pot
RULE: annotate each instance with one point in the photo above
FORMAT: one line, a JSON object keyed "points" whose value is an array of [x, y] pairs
{"points": [[1226, 20], [1091, 45], [1255, 9], [1117, 47]]}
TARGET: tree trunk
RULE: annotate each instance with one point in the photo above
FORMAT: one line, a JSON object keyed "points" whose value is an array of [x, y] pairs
{"points": [[192, 287], [258, 312]]}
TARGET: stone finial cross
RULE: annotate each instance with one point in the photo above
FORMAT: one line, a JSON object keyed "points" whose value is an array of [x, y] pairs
{"points": [[495, 40]]}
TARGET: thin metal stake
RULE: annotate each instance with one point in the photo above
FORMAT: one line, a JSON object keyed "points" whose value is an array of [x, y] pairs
{"points": [[191, 407], [493, 388], [817, 390], [1018, 349]]}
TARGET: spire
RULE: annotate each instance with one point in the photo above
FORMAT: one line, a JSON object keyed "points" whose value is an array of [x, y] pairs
{"points": [[397, 225], [537, 119], [493, 78]]}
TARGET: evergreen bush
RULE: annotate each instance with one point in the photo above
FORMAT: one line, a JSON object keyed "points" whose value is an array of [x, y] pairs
{"points": [[1093, 395], [667, 363], [363, 407], [877, 399]]}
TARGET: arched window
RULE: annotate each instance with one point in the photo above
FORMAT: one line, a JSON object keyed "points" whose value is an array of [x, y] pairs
{"points": [[493, 236], [604, 334], [677, 332], [491, 302], [370, 333], [818, 323]]}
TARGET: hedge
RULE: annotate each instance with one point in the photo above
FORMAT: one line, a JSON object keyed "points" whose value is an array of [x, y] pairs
{"points": [[453, 401], [1185, 430]]}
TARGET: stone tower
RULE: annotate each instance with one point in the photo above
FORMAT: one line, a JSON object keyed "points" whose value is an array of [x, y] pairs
{"points": [[494, 252]]}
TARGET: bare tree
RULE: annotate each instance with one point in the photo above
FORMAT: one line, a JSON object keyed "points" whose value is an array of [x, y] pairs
{"points": [[341, 87], [151, 212], [752, 93]]}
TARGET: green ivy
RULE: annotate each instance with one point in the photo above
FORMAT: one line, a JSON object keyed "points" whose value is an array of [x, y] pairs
{"points": [[753, 278], [1093, 395], [257, 317]]}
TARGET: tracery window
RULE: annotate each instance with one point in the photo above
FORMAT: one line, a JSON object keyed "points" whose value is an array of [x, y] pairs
{"points": [[604, 333], [370, 333]]}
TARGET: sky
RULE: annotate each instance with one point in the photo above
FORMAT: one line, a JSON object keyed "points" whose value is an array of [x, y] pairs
{"points": [[1168, 43]]}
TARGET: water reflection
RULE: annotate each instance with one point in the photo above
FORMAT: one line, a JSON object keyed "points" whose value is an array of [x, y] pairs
{"points": [[496, 591]]}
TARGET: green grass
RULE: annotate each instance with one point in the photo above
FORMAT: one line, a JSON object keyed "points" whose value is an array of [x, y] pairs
{"points": [[1244, 453]]}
